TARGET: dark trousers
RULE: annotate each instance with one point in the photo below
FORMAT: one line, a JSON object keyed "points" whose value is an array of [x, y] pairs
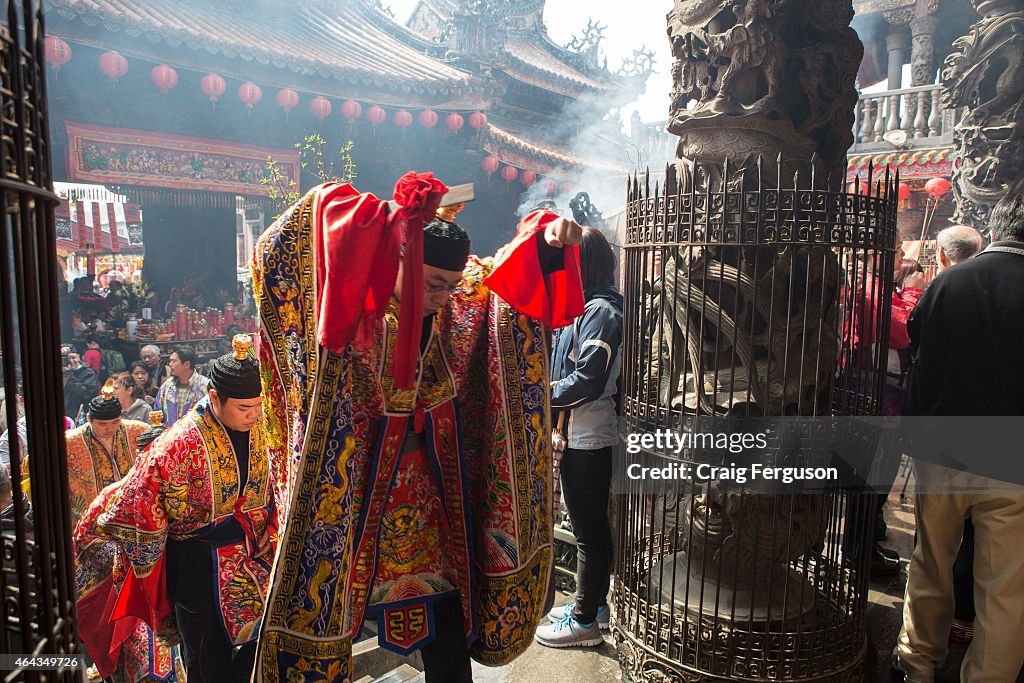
{"points": [[586, 482], [208, 654], [963, 575], [446, 658]]}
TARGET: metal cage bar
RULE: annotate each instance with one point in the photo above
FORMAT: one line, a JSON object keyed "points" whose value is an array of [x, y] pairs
{"points": [[748, 293], [37, 610]]}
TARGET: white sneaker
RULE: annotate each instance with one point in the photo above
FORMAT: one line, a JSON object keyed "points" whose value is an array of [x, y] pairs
{"points": [[569, 633], [603, 615]]}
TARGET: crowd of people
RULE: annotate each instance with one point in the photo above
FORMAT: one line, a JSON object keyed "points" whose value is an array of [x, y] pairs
{"points": [[379, 439]]}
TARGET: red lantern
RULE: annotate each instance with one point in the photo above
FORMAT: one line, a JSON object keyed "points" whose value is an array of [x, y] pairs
{"points": [[320, 107], [57, 52], [403, 119], [351, 110], [287, 99], [489, 164], [113, 65], [552, 188], [376, 115], [902, 191], [250, 94], [428, 118], [528, 178], [936, 187], [213, 86], [509, 173], [454, 122], [566, 187], [477, 120], [164, 77]]}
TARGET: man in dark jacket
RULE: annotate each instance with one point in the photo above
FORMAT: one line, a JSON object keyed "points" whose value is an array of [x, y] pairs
{"points": [[80, 382], [965, 335]]}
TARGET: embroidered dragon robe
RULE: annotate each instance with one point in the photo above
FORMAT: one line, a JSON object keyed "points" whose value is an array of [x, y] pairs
{"points": [[186, 502], [370, 528]]}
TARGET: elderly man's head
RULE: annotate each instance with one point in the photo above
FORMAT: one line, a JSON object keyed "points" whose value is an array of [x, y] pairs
{"points": [[957, 243], [150, 355]]}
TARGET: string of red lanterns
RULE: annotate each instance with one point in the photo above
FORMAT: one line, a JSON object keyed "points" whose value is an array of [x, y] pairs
{"points": [[164, 77]]}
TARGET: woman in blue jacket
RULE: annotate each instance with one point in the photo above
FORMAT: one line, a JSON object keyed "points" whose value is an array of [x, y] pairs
{"points": [[585, 366]]}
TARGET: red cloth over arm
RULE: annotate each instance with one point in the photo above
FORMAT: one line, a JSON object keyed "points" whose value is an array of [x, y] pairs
{"points": [[556, 299]]}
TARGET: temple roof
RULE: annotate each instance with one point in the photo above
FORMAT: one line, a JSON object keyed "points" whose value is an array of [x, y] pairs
{"points": [[534, 63], [512, 144], [521, 48], [353, 47]]}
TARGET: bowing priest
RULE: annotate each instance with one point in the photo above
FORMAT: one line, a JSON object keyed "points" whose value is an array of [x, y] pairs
{"points": [[408, 411], [189, 535]]}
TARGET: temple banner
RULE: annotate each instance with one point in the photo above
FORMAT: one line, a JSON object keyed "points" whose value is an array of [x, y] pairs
{"points": [[117, 156]]}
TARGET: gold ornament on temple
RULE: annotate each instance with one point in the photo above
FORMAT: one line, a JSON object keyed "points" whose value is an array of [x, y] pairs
{"points": [[240, 345], [107, 392], [156, 418]]}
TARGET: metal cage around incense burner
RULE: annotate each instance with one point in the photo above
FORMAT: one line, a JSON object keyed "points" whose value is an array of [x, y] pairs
{"points": [[37, 610], [749, 297]]}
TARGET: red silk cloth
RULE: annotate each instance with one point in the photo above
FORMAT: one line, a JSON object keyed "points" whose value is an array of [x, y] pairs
{"points": [[560, 298], [366, 268]]}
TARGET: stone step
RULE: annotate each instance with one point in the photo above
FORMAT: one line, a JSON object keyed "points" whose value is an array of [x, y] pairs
{"points": [[400, 674]]}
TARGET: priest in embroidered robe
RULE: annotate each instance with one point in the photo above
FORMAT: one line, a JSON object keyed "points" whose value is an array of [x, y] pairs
{"points": [[143, 657], [184, 543], [405, 388], [101, 451]]}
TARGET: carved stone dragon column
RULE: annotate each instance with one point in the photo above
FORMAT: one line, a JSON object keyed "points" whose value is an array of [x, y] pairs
{"points": [[766, 77], [759, 79], [985, 75]]}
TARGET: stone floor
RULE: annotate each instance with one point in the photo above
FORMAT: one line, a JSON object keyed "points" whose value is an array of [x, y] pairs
{"points": [[544, 665]]}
